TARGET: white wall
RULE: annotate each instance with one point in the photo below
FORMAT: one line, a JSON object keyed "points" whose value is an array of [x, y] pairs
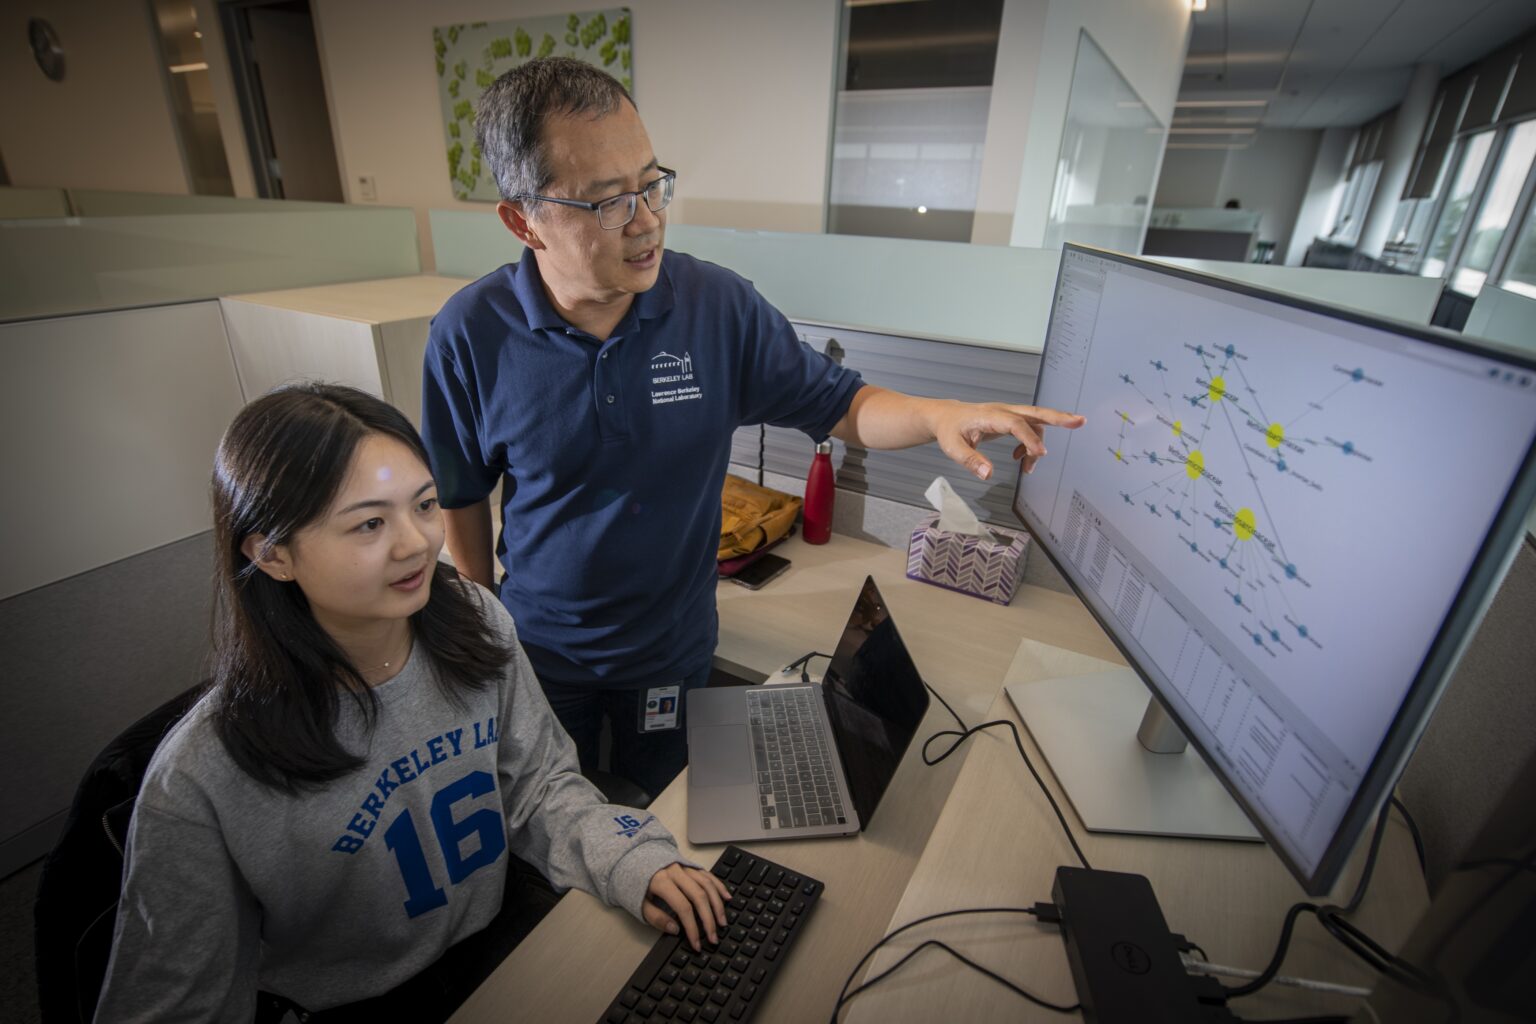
{"points": [[1322, 191], [1190, 177], [1270, 177], [108, 124], [737, 96], [1013, 91], [1144, 39]]}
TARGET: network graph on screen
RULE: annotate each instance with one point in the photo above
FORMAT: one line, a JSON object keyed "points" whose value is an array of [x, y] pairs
{"points": [[1201, 453], [1268, 510]]}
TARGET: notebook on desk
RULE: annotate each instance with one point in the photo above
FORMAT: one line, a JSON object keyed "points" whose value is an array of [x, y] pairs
{"points": [[796, 762]]}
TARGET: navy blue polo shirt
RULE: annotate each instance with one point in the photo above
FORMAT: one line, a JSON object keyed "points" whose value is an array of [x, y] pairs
{"points": [[613, 453]]}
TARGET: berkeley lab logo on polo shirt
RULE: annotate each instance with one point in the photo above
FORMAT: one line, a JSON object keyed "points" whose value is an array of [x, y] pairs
{"points": [[672, 379]]}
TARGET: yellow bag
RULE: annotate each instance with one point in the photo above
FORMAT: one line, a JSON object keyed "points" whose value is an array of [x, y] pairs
{"points": [[752, 516]]}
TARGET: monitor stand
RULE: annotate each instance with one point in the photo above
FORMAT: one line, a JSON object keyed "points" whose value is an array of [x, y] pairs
{"points": [[1095, 731]]}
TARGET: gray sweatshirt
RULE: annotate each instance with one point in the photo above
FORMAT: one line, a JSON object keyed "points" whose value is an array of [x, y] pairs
{"points": [[337, 895]]}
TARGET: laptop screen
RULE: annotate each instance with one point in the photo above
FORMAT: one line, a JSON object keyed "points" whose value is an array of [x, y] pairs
{"points": [[875, 700]]}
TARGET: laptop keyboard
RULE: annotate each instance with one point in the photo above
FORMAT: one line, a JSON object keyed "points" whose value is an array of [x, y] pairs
{"points": [[795, 782], [725, 981]]}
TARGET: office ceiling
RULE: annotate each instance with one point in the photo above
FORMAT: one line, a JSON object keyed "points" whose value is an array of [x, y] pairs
{"points": [[1328, 63]]}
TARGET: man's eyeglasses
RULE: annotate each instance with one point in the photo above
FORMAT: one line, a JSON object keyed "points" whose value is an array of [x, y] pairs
{"points": [[616, 211]]}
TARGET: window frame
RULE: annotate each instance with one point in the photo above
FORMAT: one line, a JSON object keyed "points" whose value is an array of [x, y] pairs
{"points": [[1477, 199], [1474, 198], [1519, 215]]}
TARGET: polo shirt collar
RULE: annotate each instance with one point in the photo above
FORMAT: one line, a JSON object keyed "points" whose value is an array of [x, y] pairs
{"points": [[528, 286], [657, 301]]}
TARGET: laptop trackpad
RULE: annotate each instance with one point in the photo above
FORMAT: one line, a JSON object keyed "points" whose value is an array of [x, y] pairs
{"points": [[723, 755]]}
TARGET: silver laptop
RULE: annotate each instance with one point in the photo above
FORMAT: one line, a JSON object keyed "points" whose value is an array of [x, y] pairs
{"points": [[793, 762]]}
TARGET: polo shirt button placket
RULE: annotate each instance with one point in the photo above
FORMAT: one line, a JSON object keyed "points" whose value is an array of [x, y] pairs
{"points": [[610, 399]]}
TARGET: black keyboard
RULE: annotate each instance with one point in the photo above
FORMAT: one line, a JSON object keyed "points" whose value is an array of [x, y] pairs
{"points": [[724, 982]]}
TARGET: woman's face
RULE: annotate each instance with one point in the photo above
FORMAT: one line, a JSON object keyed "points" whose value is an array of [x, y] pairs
{"points": [[371, 555]]}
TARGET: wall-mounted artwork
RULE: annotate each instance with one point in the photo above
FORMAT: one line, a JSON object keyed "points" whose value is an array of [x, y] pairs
{"points": [[471, 57]]}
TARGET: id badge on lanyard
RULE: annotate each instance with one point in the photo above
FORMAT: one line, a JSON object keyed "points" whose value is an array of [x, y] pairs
{"points": [[659, 710]]}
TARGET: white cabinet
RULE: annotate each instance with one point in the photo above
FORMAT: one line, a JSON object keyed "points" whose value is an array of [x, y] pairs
{"points": [[369, 334]]}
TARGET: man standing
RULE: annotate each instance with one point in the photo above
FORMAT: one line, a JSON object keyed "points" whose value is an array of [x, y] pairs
{"points": [[600, 379]]}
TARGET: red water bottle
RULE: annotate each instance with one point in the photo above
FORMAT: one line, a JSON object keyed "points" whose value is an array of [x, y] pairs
{"points": [[818, 496]]}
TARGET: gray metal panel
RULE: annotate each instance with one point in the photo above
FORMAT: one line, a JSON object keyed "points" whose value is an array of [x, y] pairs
{"points": [[83, 659], [914, 366]]}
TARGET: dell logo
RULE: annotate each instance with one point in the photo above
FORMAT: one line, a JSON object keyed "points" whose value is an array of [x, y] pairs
{"points": [[1131, 958]]}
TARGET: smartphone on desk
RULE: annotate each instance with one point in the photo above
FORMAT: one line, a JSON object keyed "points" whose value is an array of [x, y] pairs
{"points": [[754, 576]]}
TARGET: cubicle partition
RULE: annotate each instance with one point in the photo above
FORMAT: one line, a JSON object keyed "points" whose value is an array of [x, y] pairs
{"points": [[65, 265], [1395, 296], [122, 381], [1508, 318], [107, 436], [1503, 316], [94, 202], [19, 203]]}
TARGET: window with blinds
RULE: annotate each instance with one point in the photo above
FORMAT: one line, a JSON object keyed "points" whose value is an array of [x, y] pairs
{"points": [[1497, 90]]}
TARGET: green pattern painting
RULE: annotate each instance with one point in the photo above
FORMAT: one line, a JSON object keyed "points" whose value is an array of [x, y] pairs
{"points": [[470, 57]]}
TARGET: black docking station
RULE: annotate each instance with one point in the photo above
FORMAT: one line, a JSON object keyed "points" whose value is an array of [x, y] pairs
{"points": [[1124, 960]]}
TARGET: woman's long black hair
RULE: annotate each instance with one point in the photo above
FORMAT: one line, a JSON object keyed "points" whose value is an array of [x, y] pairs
{"points": [[278, 677]]}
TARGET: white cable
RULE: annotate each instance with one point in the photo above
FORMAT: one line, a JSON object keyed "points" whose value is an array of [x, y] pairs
{"points": [[1203, 967]]}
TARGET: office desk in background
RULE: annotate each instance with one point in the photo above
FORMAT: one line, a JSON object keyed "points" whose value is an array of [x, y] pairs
{"points": [[575, 962]]}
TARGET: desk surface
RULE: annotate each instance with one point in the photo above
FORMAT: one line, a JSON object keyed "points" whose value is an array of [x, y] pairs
{"points": [[573, 964], [576, 960], [997, 844]]}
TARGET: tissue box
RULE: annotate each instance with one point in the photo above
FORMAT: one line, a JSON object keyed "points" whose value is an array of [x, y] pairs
{"points": [[971, 565]]}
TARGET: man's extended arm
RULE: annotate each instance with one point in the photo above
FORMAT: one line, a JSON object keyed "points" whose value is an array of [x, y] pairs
{"points": [[470, 541], [883, 419]]}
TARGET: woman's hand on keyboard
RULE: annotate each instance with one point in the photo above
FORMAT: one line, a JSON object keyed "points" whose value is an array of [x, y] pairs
{"points": [[680, 895]]}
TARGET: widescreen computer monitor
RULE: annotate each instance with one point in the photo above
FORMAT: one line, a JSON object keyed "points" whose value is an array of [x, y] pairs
{"points": [[1289, 517]]}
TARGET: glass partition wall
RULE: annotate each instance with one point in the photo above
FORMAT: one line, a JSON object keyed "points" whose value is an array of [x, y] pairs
{"points": [[191, 94], [1111, 146]]}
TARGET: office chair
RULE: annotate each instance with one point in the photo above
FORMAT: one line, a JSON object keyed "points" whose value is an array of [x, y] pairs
{"points": [[75, 911]]}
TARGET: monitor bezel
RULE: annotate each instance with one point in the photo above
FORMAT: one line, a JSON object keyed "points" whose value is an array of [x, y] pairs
{"points": [[1471, 601]]}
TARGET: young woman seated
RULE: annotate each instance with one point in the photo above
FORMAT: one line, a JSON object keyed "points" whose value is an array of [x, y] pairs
{"points": [[337, 812]]}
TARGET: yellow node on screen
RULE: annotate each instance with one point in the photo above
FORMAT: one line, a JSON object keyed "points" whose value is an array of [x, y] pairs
{"points": [[1194, 465], [1118, 456], [1218, 388], [1243, 524], [1274, 435], [1178, 428]]}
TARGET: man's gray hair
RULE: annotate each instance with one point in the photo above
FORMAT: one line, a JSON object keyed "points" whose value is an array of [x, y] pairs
{"points": [[509, 118]]}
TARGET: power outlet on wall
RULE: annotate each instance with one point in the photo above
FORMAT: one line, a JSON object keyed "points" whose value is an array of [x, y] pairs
{"points": [[366, 191]]}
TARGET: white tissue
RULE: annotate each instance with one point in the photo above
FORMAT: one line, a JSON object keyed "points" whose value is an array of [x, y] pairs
{"points": [[955, 515]]}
